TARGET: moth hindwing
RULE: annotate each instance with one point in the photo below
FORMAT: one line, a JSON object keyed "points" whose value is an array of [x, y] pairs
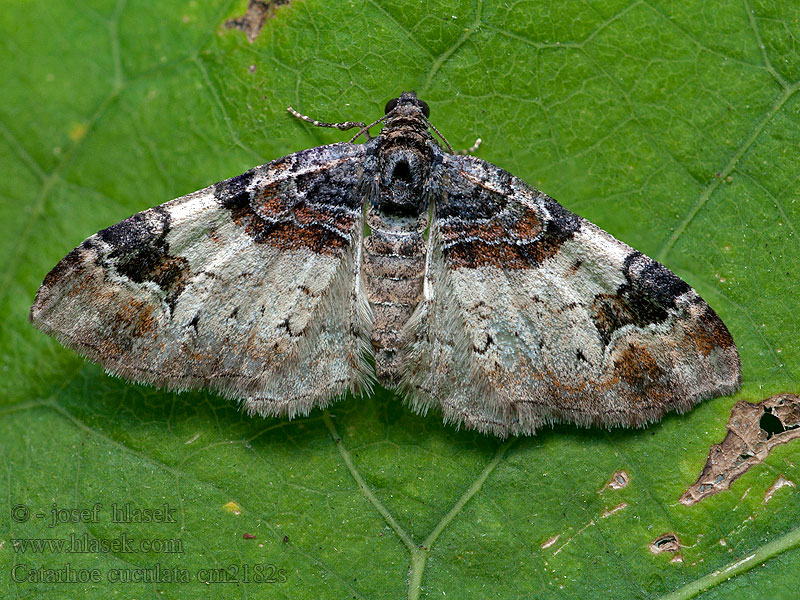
{"points": [[473, 292]]}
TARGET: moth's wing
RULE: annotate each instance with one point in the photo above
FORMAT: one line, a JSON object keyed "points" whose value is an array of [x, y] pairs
{"points": [[533, 315], [248, 287]]}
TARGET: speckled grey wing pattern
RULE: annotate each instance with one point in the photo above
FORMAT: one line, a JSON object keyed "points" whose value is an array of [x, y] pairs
{"points": [[249, 287], [533, 315]]}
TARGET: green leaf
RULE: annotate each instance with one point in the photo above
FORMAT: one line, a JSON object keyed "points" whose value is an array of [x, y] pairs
{"points": [[672, 125]]}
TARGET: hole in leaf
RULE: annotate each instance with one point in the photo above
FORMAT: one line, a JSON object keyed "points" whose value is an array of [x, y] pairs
{"points": [[668, 542], [770, 423]]}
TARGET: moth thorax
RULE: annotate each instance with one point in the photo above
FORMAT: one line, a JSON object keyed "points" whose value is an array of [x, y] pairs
{"points": [[403, 173]]}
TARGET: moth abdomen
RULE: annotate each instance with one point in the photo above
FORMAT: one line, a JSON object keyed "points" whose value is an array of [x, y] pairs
{"points": [[393, 273]]}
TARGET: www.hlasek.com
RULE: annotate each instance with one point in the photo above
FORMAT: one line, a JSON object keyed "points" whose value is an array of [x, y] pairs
{"points": [[88, 544]]}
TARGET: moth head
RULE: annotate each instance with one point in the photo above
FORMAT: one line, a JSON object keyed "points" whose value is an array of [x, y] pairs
{"points": [[408, 99]]}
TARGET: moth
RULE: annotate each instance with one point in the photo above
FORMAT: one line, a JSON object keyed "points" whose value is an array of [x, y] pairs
{"points": [[393, 261]]}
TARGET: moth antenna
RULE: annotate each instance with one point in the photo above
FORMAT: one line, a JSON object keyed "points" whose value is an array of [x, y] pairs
{"points": [[365, 129], [471, 149], [344, 126], [446, 143]]}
